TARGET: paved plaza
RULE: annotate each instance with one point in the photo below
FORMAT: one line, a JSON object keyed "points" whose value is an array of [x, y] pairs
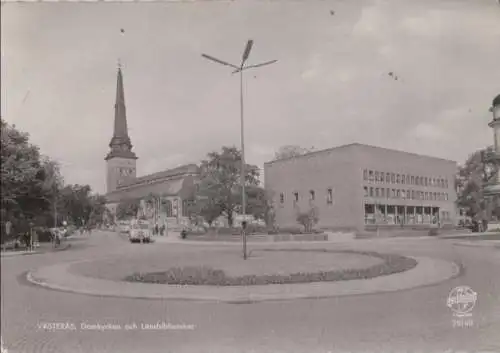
{"points": [[37, 319]]}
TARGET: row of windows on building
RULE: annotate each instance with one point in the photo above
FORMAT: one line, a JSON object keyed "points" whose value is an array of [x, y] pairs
{"points": [[404, 194], [394, 178], [312, 196]]}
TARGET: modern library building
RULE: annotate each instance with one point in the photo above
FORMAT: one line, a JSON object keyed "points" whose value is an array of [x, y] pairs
{"points": [[357, 186]]}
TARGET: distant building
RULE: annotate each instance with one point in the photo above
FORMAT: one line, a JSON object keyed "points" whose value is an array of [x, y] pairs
{"points": [[357, 186], [173, 187]]}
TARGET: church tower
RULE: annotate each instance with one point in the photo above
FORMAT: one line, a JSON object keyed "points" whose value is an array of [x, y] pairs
{"points": [[120, 161]]}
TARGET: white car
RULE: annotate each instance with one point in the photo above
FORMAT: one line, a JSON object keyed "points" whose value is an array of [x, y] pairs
{"points": [[138, 232]]}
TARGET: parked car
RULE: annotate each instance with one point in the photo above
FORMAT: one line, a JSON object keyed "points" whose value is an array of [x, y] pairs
{"points": [[140, 231]]}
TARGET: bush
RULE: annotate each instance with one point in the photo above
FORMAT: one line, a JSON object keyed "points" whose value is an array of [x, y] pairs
{"points": [[290, 230], [256, 229], [433, 232], [202, 275]]}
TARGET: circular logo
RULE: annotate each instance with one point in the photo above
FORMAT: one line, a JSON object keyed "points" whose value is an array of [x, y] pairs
{"points": [[462, 300]]}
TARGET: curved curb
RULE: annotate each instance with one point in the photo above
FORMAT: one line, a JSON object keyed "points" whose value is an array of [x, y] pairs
{"points": [[427, 272], [479, 244]]}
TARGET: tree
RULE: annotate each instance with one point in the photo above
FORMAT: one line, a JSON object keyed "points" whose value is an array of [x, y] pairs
{"points": [[203, 208], [27, 187], [220, 187], [290, 151], [99, 211], [308, 219], [470, 180], [76, 203], [127, 209], [259, 203]]}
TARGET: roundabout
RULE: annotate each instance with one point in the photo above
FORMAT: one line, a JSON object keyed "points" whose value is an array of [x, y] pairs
{"points": [[84, 288], [221, 276]]}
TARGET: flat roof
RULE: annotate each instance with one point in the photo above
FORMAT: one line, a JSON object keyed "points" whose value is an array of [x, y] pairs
{"points": [[360, 145]]}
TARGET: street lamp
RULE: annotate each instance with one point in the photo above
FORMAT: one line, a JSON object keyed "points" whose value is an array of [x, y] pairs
{"points": [[239, 69]]}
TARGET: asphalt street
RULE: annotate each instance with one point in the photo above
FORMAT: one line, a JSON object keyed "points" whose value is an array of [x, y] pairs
{"points": [[407, 321]]}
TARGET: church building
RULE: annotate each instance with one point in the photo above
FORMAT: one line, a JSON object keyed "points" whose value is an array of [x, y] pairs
{"points": [[163, 195]]}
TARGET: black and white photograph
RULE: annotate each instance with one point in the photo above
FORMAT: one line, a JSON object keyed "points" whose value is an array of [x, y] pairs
{"points": [[250, 176]]}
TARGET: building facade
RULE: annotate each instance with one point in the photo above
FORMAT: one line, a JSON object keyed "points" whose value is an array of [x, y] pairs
{"points": [[358, 186], [164, 195]]}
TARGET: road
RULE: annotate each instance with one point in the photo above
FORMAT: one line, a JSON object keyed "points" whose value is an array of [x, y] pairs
{"points": [[409, 321]]}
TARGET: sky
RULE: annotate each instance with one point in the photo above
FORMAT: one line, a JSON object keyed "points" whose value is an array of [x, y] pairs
{"points": [[334, 82]]}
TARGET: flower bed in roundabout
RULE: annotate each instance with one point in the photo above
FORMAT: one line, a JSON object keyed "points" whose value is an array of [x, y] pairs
{"points": [[279, 266]]}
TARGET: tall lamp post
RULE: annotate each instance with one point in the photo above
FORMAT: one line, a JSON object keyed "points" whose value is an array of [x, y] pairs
{"points": [[239, 69]]}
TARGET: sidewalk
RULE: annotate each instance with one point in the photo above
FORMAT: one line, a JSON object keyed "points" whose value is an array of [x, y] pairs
{"points": [[40, 250], [428, 271]]}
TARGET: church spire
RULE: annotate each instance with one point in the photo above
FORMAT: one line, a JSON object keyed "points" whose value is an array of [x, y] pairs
{"points": [[120, 143], [121, 129]]}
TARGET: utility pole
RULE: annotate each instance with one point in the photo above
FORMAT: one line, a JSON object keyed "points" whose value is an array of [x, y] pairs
{"points": [[239, 69]]}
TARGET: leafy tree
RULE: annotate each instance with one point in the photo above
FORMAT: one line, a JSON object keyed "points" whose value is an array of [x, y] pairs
{"points": [[290, 151], [76, 203], [127, 209], [220, 186], [99, 211], [203, 208], [470, 181], [27, 187], [308, 219]]}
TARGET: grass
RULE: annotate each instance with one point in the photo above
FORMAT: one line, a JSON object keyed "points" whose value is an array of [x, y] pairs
{"points": [[204, 275]]}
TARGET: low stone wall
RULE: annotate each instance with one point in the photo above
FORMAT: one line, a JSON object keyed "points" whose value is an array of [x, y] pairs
{"points": [[300, 237]]}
